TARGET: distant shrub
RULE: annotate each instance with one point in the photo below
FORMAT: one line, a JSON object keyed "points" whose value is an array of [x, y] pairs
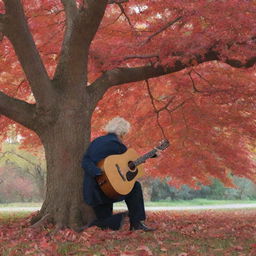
{"points": [[245, 190], [15, 187]]}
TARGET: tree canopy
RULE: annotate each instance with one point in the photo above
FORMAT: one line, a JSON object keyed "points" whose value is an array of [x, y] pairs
{"points": [[202, 53]]}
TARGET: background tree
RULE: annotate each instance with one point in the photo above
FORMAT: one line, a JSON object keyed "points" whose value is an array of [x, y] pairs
{"points": [[68, 54], [244, 190], [14, 186], [27, 165]]}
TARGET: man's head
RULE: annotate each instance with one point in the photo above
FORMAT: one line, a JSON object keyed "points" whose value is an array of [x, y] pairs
{"points": [[118, 125]]}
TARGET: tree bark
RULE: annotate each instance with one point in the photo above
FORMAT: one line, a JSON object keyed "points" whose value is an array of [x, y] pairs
{"points": [[65, 142]]}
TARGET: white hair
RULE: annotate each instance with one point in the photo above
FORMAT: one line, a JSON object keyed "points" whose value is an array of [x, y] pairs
{"points": [[118, 125]]}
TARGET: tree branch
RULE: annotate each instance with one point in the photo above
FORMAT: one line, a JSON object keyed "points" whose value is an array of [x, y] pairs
{"points": [[162, 29], [18, 110], [117, 1], [177, 107], [128, 75], [204, 79], [16, 29], [123, 75], [124, 13], [81, 27], [2, 16], [157, 111], [2, 155], [193, 83], [149, 56], [71, 12], [165, 107], [91, 18], [239, 64], [70, 9]]}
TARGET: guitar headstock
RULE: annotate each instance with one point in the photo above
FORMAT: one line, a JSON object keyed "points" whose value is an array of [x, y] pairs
{"points": [[163, 144]]}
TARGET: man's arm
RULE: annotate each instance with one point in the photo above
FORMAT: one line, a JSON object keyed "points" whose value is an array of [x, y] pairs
{"points": [[90, 167]]}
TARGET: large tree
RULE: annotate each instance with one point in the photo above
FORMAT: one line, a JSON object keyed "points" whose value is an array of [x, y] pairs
{"points": [[68, 53]]}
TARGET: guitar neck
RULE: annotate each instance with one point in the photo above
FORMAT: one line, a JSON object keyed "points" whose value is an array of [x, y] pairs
{"points": [[143, 158]]}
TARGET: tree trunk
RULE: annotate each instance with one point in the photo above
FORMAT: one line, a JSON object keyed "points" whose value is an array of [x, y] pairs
{"points": [[65, 142], [40, 180]]}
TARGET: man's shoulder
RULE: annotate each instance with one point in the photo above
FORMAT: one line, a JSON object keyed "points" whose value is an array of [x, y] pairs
{"points": [[105, 138]]}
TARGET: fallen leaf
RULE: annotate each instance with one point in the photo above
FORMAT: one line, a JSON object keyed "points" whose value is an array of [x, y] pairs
{"points": [[145, 248]]}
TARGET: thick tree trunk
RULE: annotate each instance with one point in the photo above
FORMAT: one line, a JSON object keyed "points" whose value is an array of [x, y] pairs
{"points": [[65, 143], [40, 180]]}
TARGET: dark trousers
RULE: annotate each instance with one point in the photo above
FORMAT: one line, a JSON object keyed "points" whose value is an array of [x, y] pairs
{"points": [[135, 204]]}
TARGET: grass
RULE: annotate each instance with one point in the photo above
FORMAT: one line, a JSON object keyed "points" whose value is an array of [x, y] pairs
{"points": [[13, 215], [196, 202], [21, 204], [193, 202]]}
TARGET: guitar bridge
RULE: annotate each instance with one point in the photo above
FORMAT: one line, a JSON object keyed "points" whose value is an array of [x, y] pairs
{"points": [[120, 172]]}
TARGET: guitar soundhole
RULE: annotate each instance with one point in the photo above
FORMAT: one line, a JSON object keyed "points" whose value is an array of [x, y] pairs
{"points": [[131, 165], [131, 175]]}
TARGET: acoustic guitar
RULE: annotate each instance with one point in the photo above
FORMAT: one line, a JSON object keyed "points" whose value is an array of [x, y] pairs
{"points": [[120, 172]]}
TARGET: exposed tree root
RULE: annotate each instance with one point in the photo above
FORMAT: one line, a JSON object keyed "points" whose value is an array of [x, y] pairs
{"points": [[58, 227], [76, 216], [41, 221]]}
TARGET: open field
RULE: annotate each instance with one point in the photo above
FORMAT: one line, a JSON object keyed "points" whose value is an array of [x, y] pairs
{"points": [[193, 202], [196, 202]]}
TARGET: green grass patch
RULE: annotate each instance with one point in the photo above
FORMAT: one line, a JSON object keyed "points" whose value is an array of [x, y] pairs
{"points": [[195, 202], [6, 216], [19, 204], [67, 248]]}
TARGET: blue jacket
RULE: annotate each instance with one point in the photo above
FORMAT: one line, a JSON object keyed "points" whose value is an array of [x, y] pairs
{"points": [[99, 148]]}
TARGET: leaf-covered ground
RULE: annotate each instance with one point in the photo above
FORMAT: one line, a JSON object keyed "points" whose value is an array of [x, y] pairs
{"points": [[179, 233]]}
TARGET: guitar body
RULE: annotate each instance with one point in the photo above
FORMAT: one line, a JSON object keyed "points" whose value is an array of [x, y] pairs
{"points": [[118, 178]]}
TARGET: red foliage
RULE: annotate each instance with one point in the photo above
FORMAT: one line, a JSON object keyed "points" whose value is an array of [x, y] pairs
{"points": [[207, 111], [211, 130]]}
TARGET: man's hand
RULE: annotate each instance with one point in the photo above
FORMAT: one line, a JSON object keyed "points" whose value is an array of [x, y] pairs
{"points": [[157, 154]]}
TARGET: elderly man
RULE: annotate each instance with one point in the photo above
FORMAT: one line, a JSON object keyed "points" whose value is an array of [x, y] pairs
{"points": [[100, 148]]}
